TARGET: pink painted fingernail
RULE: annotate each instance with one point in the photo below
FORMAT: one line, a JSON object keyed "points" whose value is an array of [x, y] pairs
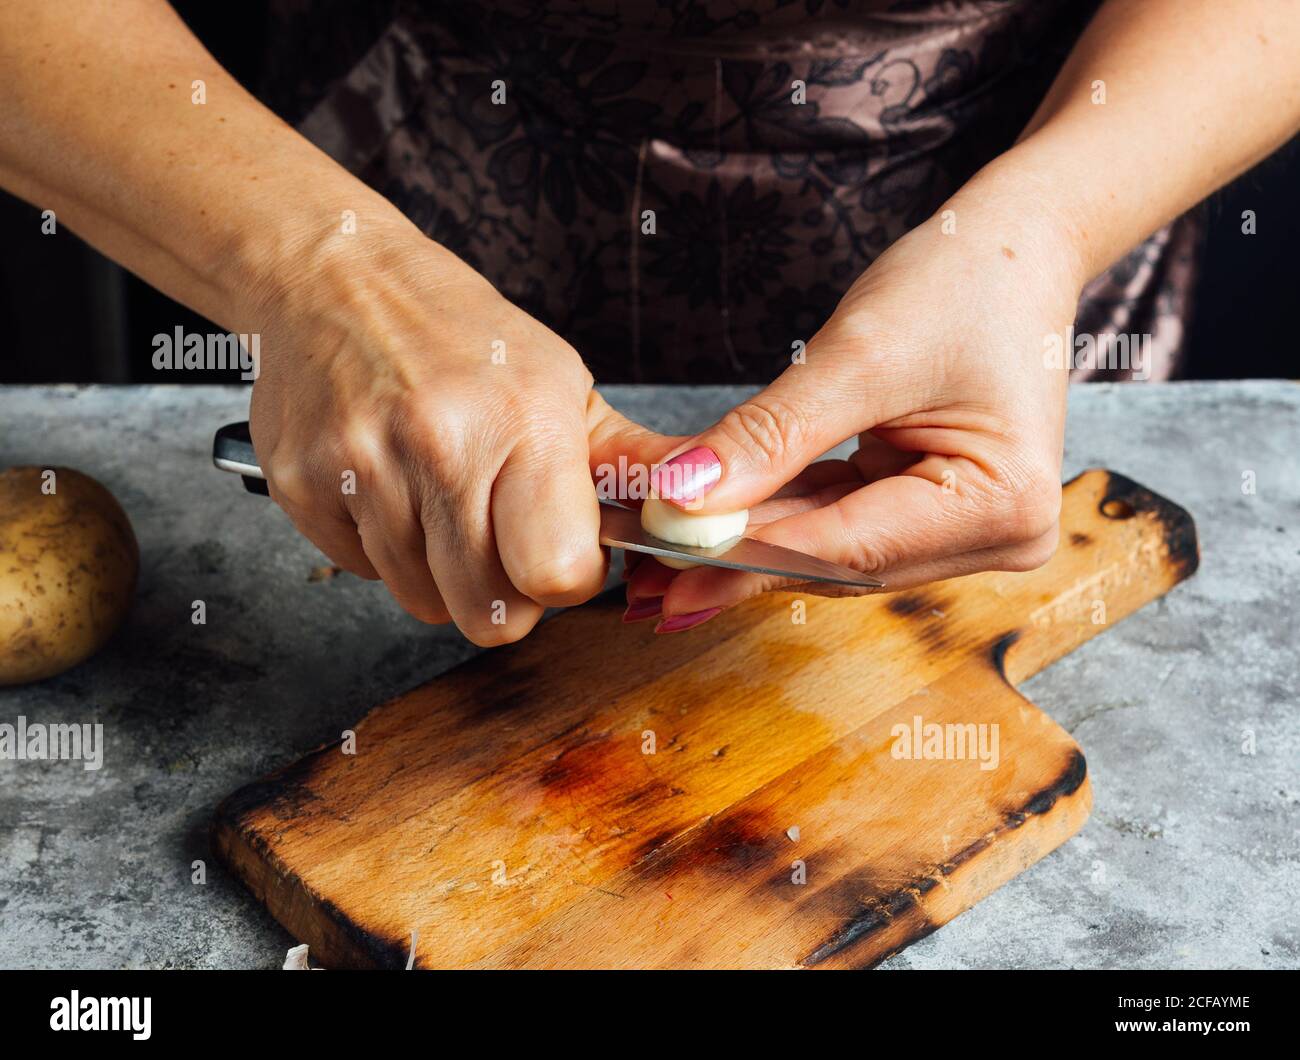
{"points": [[687, 476], [677, 623], [640, 610]]}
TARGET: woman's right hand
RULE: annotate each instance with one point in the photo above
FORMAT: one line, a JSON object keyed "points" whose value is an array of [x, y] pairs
{"points": [[419, 428]]}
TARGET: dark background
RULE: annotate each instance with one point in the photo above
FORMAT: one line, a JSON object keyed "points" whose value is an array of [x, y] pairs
{"points": [[68, 314]]}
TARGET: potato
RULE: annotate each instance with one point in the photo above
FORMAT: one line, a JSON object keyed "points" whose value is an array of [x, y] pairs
{"points": [[68, 566]]}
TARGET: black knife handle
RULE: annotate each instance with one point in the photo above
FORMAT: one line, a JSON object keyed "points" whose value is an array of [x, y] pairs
{"points": [[232, 450]]}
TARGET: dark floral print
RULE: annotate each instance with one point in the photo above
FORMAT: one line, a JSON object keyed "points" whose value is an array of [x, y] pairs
{"points": [[564, 127], [777, 147], [747, 251]]}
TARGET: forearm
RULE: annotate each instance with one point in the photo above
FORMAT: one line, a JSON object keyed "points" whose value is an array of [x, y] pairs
{"points": [[1196, 92], [212, 202]]}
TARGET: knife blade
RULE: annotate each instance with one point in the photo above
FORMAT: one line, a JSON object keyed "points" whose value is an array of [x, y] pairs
{"points": [[232, 450], [621, 528]]}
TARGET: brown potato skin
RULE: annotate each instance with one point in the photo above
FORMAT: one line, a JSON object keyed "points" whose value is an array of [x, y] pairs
{"points": [[68, 567]]}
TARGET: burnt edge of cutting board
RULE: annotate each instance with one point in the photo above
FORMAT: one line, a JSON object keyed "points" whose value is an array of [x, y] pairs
{"points": [[285, 790], [906, 900], [1123, 498], [1177, 522]]}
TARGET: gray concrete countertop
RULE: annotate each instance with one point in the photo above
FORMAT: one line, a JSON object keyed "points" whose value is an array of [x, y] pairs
{"points": [[1191, 857]]}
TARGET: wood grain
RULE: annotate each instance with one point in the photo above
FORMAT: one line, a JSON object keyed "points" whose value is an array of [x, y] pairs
{"points": [[508, 814]]}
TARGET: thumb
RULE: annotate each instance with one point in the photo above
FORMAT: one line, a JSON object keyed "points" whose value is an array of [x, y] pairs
{"points": [[622, 452], [767, 440]]}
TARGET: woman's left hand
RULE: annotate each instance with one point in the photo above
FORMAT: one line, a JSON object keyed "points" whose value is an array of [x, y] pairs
{"points": [[935, 359]]}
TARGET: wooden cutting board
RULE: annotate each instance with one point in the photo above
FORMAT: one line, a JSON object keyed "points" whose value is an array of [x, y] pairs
{"points": [[509, 813]]}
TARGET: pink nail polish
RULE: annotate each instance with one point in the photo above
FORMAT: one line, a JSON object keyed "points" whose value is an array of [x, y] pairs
{"points": [[687, 476], [640, 610], [677, 623]]}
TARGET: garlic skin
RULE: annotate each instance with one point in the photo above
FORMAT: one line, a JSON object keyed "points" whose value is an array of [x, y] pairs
{"points": [[671, 524]]}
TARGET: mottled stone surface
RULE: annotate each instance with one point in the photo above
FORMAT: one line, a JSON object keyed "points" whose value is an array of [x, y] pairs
{"points": [[1190, 858]]}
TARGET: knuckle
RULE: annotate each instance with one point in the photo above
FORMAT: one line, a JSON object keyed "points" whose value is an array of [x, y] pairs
{"points": [[558, 580], [520, 616], [292, 483], [1041, 505], [870, 560], [766, 430], [1032, 554], [493, 636], [439, 433], [584, 378], [443, 452], [361, 450], [868, 557], [564, 367], [1032, 503]]}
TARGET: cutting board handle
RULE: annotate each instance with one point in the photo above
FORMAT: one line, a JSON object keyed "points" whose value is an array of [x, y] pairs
{"points": [[1122, 546]]}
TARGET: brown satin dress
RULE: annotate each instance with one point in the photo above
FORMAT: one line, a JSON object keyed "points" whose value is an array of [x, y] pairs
{"points": [[765, 211]]}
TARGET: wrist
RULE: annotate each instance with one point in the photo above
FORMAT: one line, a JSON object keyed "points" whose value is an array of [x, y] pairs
{"points": [[330, 256], [1014, 206]]}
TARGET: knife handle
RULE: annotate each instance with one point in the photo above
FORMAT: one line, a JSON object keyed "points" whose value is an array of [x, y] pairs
{"points": [[232, 450]]}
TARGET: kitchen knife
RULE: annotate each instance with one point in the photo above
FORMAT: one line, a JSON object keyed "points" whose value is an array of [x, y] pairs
{"points": [[232, 450]]}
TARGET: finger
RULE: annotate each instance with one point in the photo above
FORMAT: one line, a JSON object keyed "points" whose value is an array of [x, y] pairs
{"points": [[939, 507], [339, 541], [826, 476], [705, 588], [823, 483], [622, 453], [876, 458], [650, 579], [460, 548], [805, 493], [764, 442], [547, 522], [394, 541], [936, 510], [811, 490], [814, 477], [335, 535], [1018, 558]]}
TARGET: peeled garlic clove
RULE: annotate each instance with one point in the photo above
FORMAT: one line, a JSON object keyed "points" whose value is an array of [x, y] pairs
{"points": [[699, 530]]}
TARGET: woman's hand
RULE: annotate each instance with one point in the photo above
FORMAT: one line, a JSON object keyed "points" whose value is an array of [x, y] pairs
{"points": [[935, 360], [419, 428]]}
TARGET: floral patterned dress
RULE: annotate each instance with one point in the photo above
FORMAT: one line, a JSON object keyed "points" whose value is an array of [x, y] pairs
{"points": [[638, 175]]}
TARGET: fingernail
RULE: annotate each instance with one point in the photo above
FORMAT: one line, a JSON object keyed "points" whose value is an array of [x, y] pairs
{"points": [[687, 476], [640, 610], [677, 623]]}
